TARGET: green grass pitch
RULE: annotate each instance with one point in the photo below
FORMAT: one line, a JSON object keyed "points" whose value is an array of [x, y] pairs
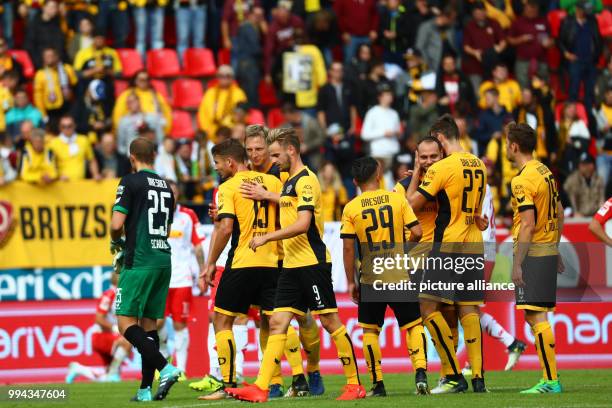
{"points": [[582, 389]]}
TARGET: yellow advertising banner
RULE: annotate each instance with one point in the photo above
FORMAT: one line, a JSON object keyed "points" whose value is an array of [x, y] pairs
{"points": [[61, 225]]}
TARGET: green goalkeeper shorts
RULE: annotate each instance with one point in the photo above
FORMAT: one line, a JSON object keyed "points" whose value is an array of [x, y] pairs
{"points": [[142, 292]]}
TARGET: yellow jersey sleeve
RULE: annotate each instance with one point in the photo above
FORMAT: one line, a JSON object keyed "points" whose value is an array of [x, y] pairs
{"points": [[306, 194], [225, 202], [408, 216], [524, 193], [347, 226], [433, 181]]}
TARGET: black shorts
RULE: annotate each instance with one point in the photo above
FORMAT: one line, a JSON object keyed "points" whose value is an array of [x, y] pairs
{"points": [[308, 287], [241, 288], [540, 290], [372, 314], [454, 279]]}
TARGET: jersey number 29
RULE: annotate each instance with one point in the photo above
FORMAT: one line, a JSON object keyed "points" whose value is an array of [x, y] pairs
{"points": [[158, 212]]}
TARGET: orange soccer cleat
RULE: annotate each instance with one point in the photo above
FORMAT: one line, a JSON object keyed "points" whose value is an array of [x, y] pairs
{"points": [[250, 393], [352, 392]]}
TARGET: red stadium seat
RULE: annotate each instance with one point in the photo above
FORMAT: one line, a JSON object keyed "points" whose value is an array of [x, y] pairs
{"points": [[187, 93], [604, 19], [163, 63], [255, 117], [120, 86], [275, 118], [580, 110], [23, 58], [267, 94], [199, 62], [555, 17], [160, 86], [182, 125], [131, 62], [224, 56]]}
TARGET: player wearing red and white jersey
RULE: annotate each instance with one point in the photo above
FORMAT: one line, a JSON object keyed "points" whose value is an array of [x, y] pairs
{"points": [[187, 262], [112, 347], [598, 224]]}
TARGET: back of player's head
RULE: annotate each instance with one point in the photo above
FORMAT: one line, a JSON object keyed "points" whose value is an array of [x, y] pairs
{"points": [[256, 131], [523, 135], [446, 126], [285, 137], [231, 148], [143, 150], [364, 169]]}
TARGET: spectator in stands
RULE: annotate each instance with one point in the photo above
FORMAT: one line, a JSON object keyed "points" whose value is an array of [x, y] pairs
{"points": [[465, 140], [238, 132], [604, 82], [604, 124], [44, 32], [435, 38], [247, 54], [540, 117], [584, 188], [148, 24], [502, 169], [73, 152], [134, 121], [574, 138], [509, 90], [423, 114], [571, 5], [452, 86], [25, 133], [114, 13], [219, 101], [112, 164], [7, 172], [186, 168], [483, 42], [491, 120], [322, 29], [281, 35], [74, 11], [11, 81], [37, 163], [417, 14], [92, 115], [337, 102], [358, 22], [22, 111], [312, 137], [53, 85], [408, 80], [340, 150], [530, 36], [382, 129], [7, 61], [234, 14], [164, 161], [151, 101], [98, 62], [368, 89], [393, 31], [83, 38], [190, 22], [581, 45], [333, 194], [6, 103], [7, 22]]}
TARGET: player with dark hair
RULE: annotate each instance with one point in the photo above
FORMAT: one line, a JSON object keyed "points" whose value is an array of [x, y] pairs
{"points": [[143, 212], [536, 229], [305, 280], [379, 221]]}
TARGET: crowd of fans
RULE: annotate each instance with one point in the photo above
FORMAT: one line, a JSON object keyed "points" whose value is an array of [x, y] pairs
{"points": [[353, 77]]}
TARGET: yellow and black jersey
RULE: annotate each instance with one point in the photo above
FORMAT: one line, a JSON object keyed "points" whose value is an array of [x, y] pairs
{"points": [[457, 183], [535, 188], [274, 170], [377, 218], [90, 57], [427, 214], [302, 192], [251, 219]]}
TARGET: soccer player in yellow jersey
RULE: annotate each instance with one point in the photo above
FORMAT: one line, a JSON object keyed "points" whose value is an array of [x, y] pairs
{"points": [[378, 220], [249, 278], [457, 183], [259, 156], [536, 230], [305, 280]]}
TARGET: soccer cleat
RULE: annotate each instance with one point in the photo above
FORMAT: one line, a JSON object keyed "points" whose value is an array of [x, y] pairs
{"points": [[545, 387], [478, 385], [451, 384], [72, 373], [182, 377], [142, 395], [208, 384], [251, 393], [218, 395], [352, 392], [420, 380], [168, 376], [315, 383], [299, 387], [514, 353], [276, 391], [378, 390], [467, 370]]}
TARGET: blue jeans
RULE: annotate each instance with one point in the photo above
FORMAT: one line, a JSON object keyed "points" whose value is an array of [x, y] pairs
{"points": [[248, 76], [190, 20], [153, 20], [110, 15], [7, 24], [582, 71], [350, 49], [604, 166]]}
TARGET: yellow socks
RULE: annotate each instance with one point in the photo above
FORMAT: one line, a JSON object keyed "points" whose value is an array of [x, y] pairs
{"points": [[417, 346], [311, 342], [226, 349], [473, 342], [271, 360], [373, 356], [455, 332], [293, 352], [346, 354], [264, 332], [443, 340], [545, 345]]}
